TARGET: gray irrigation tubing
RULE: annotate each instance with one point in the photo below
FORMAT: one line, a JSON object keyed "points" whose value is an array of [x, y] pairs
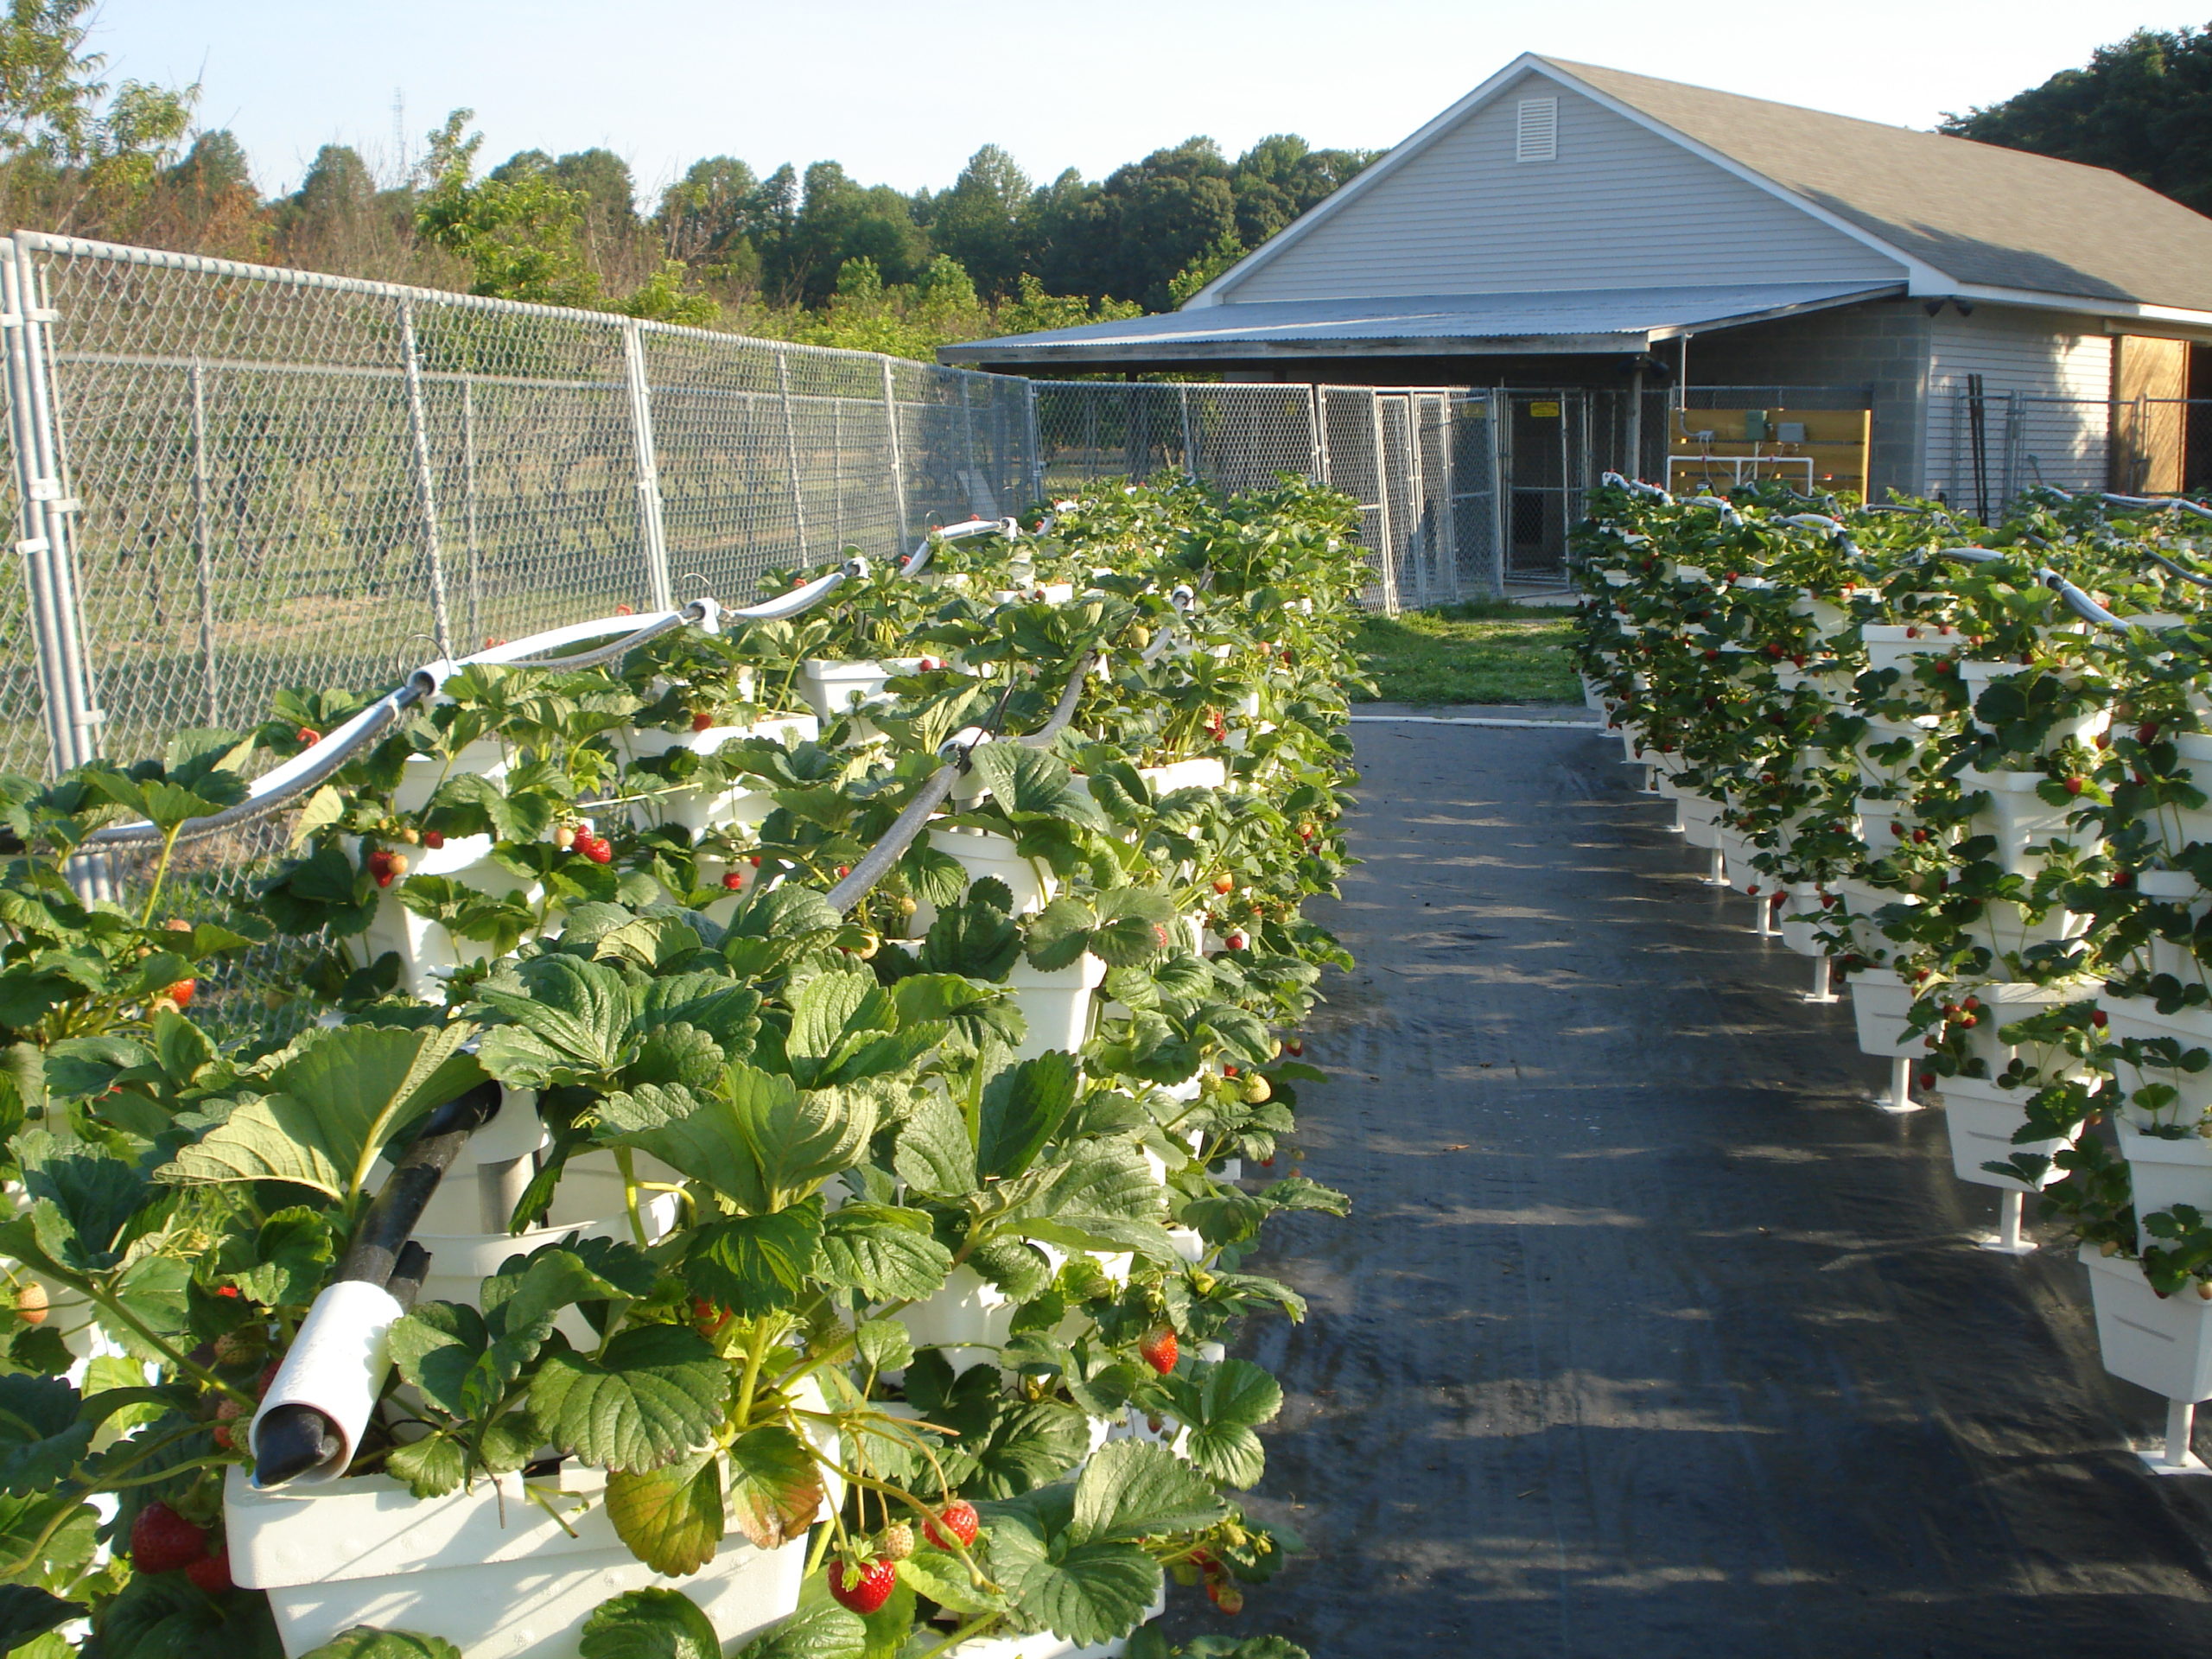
{"points": [[880, 858], [303, 772]]}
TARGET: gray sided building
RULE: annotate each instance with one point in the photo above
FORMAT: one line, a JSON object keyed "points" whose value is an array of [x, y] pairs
{"points": [[1584, 235]]}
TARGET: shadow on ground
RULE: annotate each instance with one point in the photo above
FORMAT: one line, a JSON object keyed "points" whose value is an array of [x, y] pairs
{"points": [[1647, 1336]]}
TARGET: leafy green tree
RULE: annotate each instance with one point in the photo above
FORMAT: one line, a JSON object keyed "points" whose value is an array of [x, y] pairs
{"points": [[2142, 107], [839, 219], [520, 236], [980, 221]]}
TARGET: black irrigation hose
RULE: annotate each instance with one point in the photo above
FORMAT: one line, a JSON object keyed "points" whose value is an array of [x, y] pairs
{"points": [[886, 852]]}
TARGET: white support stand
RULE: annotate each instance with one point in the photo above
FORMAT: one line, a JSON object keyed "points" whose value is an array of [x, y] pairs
{"points": [[1899, 1099], [1764, 926], [1716, 874], [2007, 1241], [1650, 781], [2175, 1458], [1820, 991]]}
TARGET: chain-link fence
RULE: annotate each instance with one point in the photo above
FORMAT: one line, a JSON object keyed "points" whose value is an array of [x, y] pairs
{"points": [[1992, 444], [231, 478]]}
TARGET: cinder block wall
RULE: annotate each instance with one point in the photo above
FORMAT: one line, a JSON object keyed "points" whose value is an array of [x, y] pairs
{"points": [[1882, 343]]}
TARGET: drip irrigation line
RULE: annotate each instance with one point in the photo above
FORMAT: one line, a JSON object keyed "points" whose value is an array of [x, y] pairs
{"points": [[916, 561], [284, 784], [877, 862]]}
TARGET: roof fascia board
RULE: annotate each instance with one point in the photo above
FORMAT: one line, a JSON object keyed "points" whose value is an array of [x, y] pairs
{"points": [[1673, 331], [1921, 278], [1216, 292], [2082, 306], [1431, 346]]}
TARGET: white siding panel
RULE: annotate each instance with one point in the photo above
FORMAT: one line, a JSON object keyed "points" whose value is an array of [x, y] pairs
{"points": [[2048, 380], [1620, 208]]}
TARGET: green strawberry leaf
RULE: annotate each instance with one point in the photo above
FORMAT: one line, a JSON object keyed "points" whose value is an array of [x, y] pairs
{"points": [[755, 1264], [656, 1393], [670, 1517], [776, 1489], [884, 1252]]}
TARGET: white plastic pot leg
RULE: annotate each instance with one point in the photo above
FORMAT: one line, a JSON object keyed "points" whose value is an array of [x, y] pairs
{"points": [[1899, 1098], [1763, 922], [2007, 1241], [1821, 980], [2174, 1456], [1716, 875]]}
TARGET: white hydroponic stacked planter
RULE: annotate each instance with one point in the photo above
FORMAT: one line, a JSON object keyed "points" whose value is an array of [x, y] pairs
{"points": [[699, 809], [427, 953], [507, 1569]]}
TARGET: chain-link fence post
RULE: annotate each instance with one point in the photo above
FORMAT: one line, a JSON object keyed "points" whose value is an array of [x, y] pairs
{"points": [[426, 485], [1501, 514], [1035, 451], [1190, 441], [203, 542], [31, 545], [73, 718], [472, 528], [651, 535], [898, 458], [791, 450], [1387, 542]]}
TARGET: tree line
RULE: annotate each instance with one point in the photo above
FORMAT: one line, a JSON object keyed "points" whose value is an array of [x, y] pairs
{"points": [[2142, 107], [813, 255]]}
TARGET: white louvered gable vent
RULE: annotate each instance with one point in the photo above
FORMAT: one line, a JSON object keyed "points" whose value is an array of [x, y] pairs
{"points": [[1536, 138]]}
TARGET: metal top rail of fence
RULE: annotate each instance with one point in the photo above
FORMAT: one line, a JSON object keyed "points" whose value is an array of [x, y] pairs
{"points": [[231, 478]]}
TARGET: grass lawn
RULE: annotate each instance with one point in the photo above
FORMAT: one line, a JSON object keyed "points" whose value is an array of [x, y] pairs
{"points": [[1483, 651]]}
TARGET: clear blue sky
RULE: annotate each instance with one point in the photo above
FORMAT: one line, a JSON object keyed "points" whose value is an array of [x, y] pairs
{"points": [[903, 92]]}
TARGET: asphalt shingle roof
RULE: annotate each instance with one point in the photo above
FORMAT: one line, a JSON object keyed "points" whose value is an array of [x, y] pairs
{"points": [[1982, 214]]}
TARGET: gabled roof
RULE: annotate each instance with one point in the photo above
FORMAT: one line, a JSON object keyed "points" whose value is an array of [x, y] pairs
{"points": [[1574, 320], [1962, 214]]}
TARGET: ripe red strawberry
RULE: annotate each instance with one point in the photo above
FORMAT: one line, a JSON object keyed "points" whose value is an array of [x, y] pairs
{"points": [[1236, 941], [754, 861], [863, 1589], [707, 1319], [1224, 883], [380, 866], [2097, 1018], [2072, 785], [211, 1573], [1158, 1350], [844, 870], [955, 1525], [2120, 878], [602, 850], [700, 722], [161, 1541], [1295, 1046], [434, 839], [183, 992], [929, 665], [733, 879], [2147, 732]]}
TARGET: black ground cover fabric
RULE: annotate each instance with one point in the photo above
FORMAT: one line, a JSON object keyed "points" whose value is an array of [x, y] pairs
{"points": [[1647, 1336]]}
